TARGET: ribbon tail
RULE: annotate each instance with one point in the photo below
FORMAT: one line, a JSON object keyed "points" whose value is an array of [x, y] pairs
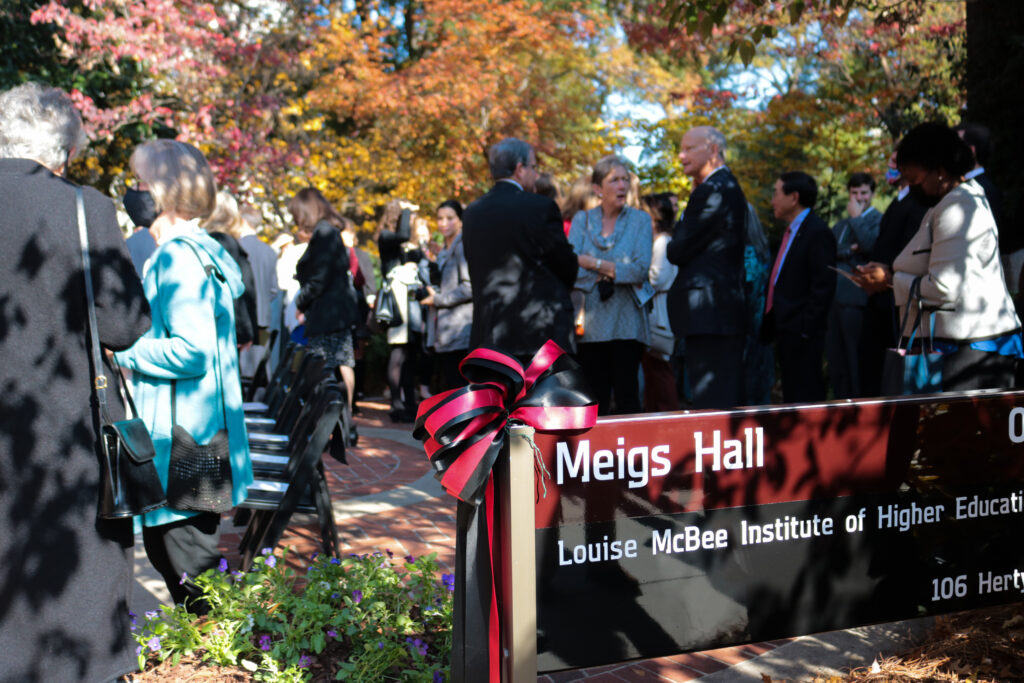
{"points": [[494, 630], [474, 595]]}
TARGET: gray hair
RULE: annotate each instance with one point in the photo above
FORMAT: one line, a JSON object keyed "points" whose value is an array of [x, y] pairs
{"points": [[505, 155], [715, 137], [225, 218], [604, 167], [39, 123]]}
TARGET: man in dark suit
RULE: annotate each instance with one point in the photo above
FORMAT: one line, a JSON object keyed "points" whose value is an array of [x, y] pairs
{"points": [[800, 288], [705, 302], [901, 220], [520, 263]]}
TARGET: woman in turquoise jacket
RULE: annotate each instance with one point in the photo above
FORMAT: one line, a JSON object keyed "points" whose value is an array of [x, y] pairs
{"points": [[191, 283]]}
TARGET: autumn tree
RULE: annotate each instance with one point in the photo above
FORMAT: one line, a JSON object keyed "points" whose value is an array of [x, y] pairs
{"points": [[826, 95]]}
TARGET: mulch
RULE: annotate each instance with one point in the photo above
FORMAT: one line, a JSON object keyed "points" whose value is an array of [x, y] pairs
{"points": [[979, 646]]}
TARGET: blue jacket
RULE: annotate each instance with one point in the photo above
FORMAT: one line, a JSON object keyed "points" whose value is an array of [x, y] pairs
{"points": [[193, 323]]}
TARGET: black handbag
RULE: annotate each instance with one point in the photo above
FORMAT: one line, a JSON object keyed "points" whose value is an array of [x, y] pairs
{"points": [[199, 475], [386, 310], [129, 483]]}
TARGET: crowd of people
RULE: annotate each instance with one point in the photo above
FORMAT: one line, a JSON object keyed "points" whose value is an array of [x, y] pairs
{"points": [[661, 311], [664, 311]]}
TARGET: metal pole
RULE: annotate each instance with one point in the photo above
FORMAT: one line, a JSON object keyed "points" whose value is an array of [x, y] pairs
{"points": [[519, 578]]}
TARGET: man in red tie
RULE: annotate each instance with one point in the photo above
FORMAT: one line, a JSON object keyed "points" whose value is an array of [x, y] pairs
{"points": [[800, 289]]}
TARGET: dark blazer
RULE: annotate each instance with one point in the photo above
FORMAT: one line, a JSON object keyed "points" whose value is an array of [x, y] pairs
{"points": [[389, 244], [806, 283], [899, 223], [522, 269], [1009, 240], [66, 575], [245, 305], [707, 295], [325, 295]]}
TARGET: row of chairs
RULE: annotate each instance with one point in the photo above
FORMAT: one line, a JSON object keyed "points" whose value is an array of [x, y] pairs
{"points": [[303, 414]]}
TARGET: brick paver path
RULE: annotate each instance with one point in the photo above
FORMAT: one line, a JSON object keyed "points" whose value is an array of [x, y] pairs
{"points": [[386, 499]]}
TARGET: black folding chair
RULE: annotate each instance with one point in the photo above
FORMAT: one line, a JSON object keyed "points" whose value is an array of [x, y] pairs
{"points": [[303, 488]]}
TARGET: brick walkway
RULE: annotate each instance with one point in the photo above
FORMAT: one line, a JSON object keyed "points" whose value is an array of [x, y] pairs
{"points": [[386, 499]]}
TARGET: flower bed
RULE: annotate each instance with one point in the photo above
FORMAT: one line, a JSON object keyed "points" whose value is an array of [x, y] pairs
{"points": [[362, 618]]}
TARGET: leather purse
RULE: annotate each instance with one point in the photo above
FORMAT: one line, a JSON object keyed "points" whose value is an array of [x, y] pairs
{"points": [[386, 311], [129, 483]]}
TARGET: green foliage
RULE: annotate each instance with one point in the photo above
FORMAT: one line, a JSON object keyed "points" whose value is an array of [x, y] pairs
{"points": [[373, 620]]}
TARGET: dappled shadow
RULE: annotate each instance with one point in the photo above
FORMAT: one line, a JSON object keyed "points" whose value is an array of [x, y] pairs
{"points": [[859, 465], [65, 577]]}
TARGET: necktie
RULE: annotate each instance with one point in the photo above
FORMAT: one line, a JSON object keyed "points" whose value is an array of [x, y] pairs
{"points": [[775, 269]]}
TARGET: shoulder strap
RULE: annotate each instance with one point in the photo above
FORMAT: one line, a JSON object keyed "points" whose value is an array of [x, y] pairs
{"points": [[210, 270], [99, 378]]}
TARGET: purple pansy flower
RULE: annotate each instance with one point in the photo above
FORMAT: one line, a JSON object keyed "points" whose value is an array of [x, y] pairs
{"points": [[357, 596], [154, 644], [265, 643], [223, 566]]}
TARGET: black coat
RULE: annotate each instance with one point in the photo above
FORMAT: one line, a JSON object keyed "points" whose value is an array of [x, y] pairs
{"points": [[707, 294], [391, 245], [326, 295], [522, 269], [899, 223], [806, 283], [65, 577], [245, 305]]}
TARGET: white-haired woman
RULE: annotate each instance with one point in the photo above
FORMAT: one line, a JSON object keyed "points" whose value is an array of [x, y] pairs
{"points": [[67, 575], [613, 243], [185, 369]]}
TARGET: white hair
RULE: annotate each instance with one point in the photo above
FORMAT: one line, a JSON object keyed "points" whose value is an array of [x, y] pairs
{"points": [[39, 123]]}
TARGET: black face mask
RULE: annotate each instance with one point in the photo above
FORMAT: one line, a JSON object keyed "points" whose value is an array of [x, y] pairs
{"points": [[140, 207], [921, 198]]}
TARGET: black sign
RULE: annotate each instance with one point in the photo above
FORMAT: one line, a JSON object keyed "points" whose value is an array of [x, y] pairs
{"points": [[683, 532]]}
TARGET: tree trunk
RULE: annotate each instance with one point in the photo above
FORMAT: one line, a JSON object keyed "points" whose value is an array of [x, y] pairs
{"points": [[995, 99]]}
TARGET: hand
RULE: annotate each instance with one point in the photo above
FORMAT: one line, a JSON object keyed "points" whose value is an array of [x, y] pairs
{"points": [[300, 317], [428, 300], [855, 208], [873, 277]]}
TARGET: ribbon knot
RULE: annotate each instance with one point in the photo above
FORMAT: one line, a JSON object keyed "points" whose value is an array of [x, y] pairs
{"points": [[464, 430]]}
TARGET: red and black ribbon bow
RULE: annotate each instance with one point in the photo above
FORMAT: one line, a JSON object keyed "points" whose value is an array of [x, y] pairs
{"points": [[463, 432]]}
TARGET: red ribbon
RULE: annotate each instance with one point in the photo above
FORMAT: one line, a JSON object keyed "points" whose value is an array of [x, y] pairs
{"points": [[464, 431]]}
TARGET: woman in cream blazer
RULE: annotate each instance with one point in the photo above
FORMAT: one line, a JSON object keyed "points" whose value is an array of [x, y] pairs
{"points": [[955, 255]]}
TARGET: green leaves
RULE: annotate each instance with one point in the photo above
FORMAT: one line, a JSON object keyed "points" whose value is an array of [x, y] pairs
{"points": [[271, 621]]}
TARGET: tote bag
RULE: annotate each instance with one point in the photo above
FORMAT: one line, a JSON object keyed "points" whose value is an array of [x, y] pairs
{"points": [[909, 370]]}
